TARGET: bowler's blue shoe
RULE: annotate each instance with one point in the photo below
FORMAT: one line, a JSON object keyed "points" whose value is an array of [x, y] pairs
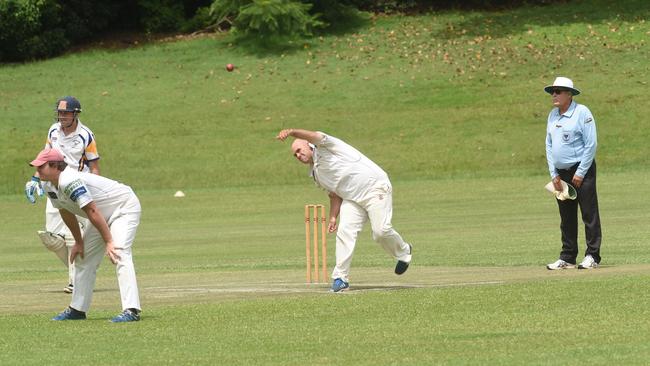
{"points": [[339, 285], [70, 314], [128, 315]]}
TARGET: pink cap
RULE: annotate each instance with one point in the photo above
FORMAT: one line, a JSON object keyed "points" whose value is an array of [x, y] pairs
{"points": [[47, 155]]}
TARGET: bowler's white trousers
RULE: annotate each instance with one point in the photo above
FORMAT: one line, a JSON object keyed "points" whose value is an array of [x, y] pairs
{"points": [[123, 225], [378, 208]]}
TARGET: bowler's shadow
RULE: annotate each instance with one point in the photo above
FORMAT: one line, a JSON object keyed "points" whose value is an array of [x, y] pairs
{"points": [[381, 287]]}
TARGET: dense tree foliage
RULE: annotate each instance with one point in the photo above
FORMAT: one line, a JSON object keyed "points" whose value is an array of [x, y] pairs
{"points": [[33, 29]]}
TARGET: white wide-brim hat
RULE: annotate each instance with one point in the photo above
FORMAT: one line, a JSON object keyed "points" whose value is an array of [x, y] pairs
{"points": [[562, 82], [568, 191]]}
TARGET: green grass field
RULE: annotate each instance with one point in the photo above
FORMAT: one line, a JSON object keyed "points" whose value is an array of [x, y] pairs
{"points": [[224, 282], [451, 105]]}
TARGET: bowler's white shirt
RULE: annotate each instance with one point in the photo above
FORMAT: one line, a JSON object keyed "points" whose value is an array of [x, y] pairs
{"points": [[77, 189], [342, 169]]}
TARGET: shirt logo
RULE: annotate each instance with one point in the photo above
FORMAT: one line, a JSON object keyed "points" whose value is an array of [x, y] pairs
{"points": [[77, 192], [73, 187], [565, 137], [589, 120]]}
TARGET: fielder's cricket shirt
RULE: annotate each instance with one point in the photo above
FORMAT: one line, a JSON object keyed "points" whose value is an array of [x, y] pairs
{"points": [[77, 189]]}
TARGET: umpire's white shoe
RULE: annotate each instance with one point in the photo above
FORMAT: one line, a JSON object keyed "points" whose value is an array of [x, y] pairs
{"points": [[588, 263], [560, 264]]}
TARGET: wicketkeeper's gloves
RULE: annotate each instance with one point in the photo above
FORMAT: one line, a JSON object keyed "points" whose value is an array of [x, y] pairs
{"points": [[32, 188]]}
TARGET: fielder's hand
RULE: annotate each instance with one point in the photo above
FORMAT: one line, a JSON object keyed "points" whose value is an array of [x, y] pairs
{"points": [[112, 253], [76, 250], [284, 134], [33, 188]]}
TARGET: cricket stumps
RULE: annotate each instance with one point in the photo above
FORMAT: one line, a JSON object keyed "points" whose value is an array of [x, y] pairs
{"points": [[314, 214]]}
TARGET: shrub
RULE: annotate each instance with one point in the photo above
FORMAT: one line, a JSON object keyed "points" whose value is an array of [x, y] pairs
{"points": [[267, 19], [287, 18], [33, 29], [161, 15], [202, 20], [337, 14], [22, 30], [83, 19]]}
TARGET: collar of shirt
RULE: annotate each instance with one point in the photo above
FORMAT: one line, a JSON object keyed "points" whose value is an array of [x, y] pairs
{"points": [[569, 111], [75, 132]]}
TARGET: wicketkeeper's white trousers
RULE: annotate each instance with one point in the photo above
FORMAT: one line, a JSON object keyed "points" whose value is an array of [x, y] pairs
{"points": [[123, 225], [378, 208]]}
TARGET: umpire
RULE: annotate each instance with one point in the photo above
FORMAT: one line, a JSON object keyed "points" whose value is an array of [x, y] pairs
{"points": [[570, 150]]}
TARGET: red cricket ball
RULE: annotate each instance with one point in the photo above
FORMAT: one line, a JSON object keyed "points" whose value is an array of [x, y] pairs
{"points": [[230, 67]]}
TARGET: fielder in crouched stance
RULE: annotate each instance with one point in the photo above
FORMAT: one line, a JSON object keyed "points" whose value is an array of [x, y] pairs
{"points": [[114, 212]]}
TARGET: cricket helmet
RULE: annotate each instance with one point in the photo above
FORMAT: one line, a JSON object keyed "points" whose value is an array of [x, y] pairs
{"points": [[68, 104]]}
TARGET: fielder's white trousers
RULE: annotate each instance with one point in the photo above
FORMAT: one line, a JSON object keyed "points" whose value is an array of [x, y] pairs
{"points": [[123, 225], [54, 224], [378, 208]]}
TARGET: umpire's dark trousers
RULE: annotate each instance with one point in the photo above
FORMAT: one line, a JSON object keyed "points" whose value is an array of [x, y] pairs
{"points": [[588, 201]]}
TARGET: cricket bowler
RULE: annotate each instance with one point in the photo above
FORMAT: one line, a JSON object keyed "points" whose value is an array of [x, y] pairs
{"points": [[359, 190]]}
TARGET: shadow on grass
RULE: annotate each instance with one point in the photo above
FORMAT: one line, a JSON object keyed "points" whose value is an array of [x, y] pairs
{"points": [[360, 288], [504, 23], [67, 294]]}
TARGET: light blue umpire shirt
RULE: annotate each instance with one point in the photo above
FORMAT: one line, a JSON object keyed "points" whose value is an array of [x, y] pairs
{"points": [[570, 138]]}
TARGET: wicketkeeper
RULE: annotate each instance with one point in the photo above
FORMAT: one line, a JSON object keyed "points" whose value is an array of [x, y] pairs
{"points": [[77, 143]]}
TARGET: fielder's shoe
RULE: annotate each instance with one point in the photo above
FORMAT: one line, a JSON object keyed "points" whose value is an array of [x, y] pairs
{"points": [[339, 285], [560, 264], [68, 289], [402, 266], [128, 315], [588, 263], [70, 314]]}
